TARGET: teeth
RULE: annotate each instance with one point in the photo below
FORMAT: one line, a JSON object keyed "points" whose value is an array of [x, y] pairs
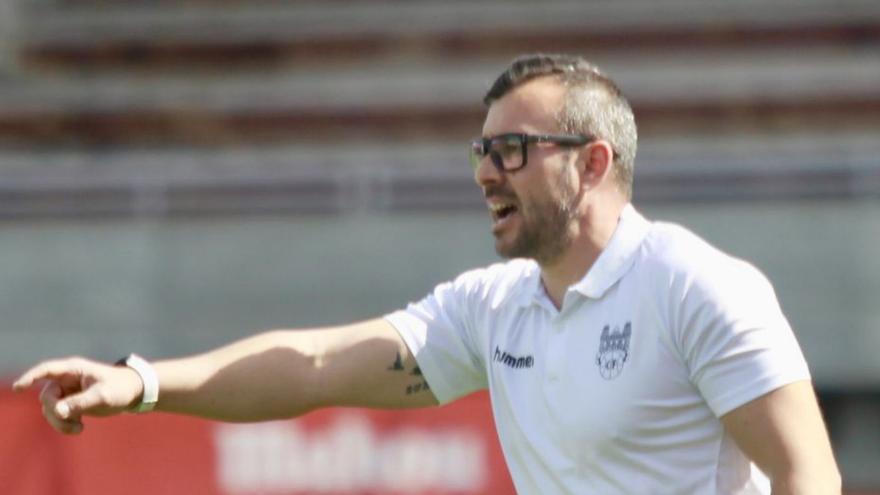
{"points": [[498, 207]]}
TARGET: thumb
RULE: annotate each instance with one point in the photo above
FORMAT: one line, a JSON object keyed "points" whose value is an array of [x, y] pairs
{"points": [[84, 402]]}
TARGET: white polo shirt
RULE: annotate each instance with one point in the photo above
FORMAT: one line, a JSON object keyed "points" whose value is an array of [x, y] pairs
{"points": [[620, 391]]}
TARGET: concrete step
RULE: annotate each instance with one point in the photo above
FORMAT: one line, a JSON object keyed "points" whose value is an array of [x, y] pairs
{"points": [[685, 91], [169, 182], [208, 35]]}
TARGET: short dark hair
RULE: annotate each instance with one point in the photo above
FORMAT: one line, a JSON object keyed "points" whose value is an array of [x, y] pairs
{"points": [[594, 105]]}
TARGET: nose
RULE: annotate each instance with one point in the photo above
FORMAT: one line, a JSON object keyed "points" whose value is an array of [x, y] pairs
{"points": [[487, 173]]}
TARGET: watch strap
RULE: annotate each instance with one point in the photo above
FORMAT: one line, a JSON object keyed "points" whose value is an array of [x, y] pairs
{"points": [[149, 378]]}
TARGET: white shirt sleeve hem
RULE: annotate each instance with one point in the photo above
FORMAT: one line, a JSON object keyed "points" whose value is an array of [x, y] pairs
{"points": [[408, 326], [753, 390]]}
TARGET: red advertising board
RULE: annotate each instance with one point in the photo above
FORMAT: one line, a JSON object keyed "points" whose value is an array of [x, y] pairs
{"points": [[447, 450]]}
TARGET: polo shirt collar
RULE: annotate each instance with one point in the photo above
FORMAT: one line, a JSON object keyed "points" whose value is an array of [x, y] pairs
{"points": [[618, 256], [532, 287], [614, 261]]}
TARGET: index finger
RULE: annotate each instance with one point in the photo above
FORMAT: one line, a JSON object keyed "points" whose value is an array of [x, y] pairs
{"points": [[47, 370]]}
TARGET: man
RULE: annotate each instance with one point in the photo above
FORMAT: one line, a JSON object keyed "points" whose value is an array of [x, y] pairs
{"points": [[621, 356]]}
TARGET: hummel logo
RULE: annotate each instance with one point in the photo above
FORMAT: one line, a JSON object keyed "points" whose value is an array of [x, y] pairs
{"points": [[513, 361]]}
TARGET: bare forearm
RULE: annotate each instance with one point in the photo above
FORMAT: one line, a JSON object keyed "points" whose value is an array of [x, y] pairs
{"points": [[267, 376], [273, 375]]}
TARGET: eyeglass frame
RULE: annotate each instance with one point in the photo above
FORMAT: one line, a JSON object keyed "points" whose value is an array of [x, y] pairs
{"points": [[480, 147]]}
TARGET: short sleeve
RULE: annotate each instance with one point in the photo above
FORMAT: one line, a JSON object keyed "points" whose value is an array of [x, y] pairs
{"points": [[438, 330], [734, 338]]}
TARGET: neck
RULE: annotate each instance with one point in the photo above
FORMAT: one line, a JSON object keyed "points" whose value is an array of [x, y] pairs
{"points": [[593, 233]]}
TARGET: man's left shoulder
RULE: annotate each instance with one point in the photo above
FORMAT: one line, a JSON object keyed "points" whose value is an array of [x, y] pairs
{"points": [[678, 249], [683, 259]]}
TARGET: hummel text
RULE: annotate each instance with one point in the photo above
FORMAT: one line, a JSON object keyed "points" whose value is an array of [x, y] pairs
{"points": [[513, 361]]}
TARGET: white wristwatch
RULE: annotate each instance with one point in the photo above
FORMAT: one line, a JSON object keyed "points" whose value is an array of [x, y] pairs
{"points": [[148, 377]]}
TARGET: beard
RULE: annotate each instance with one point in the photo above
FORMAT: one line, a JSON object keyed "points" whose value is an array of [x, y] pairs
{"points": [[545, 230]]}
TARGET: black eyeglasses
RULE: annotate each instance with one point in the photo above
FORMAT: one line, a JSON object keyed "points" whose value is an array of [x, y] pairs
{"points": [[509, 152]]}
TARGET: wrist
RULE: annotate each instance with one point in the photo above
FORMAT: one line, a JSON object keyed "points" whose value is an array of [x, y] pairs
{"points": [[148, 395]]}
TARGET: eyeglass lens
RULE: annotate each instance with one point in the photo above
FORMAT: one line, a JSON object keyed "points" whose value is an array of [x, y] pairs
{"points": [[504, 151]]}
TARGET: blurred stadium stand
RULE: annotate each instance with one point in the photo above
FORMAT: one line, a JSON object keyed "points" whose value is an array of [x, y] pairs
{"points": [[181, 110], [795, 83]]}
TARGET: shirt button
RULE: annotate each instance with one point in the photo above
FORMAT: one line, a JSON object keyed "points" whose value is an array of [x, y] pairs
{"points": [[553, 377]]}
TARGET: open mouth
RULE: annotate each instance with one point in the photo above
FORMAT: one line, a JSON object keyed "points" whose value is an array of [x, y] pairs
{"points": [[501, 211]]}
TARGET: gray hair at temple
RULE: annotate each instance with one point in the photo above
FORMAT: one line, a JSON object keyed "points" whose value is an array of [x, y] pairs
{"points": [[594, 105]]}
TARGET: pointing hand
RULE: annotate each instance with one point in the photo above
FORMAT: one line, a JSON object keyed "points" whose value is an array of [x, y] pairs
{"points": [[76, 387]]}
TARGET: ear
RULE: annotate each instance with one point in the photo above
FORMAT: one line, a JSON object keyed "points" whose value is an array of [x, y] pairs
{"points": [[595, 163]]}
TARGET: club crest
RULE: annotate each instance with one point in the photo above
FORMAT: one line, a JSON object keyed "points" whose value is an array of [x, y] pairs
{"points": [[613, 350]]}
